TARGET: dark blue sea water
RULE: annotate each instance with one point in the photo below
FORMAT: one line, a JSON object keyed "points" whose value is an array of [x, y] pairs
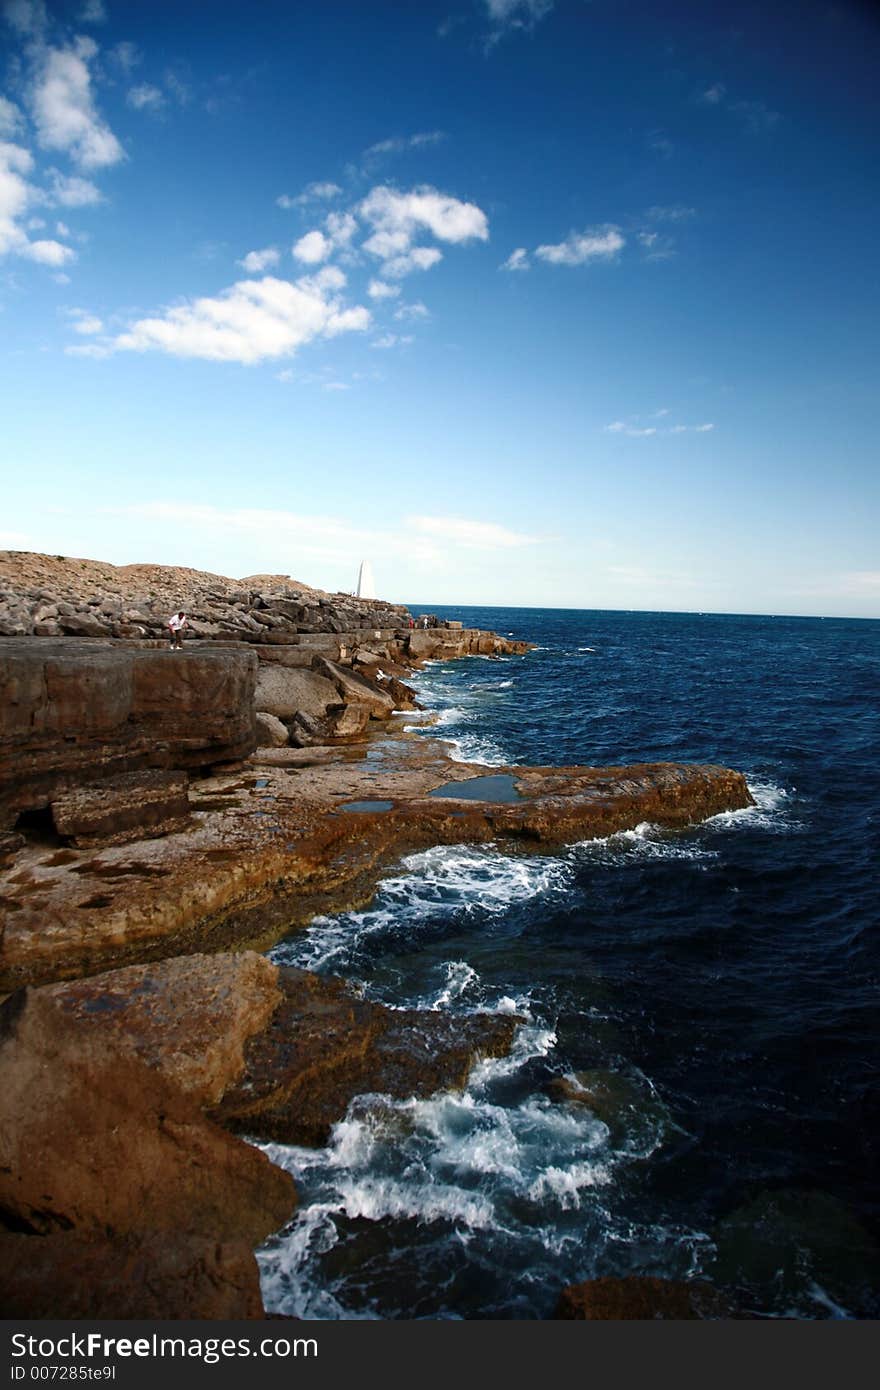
{"points": [[713, 992]]}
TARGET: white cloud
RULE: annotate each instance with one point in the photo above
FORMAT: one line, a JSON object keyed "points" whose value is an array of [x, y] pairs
{"points": [[335, 386], [377, 289], [93, 12], [85, 323], [397, 218], [714, 95], [313, 192], [255, 261], [71, 191], [579, 247], [252, 321], [517, 260], [417, 310], [312, 248], [47, 252], [419, 258], [145, 98], [64, 110], [16, 195], [126, 56], [341, 227], [482, 535], [15, 163], [11, 119]]}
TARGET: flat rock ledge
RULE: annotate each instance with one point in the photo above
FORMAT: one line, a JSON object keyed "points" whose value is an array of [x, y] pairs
{"points": [[295, 832], [122, 1193]]}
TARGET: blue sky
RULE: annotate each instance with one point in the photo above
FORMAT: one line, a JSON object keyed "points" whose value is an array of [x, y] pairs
{"points": [[529, 302]]}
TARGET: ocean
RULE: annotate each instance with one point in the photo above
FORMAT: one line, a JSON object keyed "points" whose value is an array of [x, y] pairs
{"points": [[712, 991]]}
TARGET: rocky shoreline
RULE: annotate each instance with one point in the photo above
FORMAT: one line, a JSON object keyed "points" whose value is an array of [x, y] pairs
{"points": [[163, 817]]}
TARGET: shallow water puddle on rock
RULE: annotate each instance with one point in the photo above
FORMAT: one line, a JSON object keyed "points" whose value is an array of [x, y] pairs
{"points": [[366, 806], [498, 787]]}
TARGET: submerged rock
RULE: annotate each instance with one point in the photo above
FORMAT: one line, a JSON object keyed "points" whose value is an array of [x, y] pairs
{"points": [[641, 1298]]}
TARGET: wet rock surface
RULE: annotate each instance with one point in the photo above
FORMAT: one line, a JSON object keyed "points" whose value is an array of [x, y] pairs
{"points": [[325, 1046]]}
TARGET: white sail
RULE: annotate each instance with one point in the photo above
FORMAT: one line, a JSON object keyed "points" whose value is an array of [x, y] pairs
{"points": [[365, 585]]}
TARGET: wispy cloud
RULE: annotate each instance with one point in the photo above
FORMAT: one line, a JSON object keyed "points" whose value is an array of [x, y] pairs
{"points": [[399, 144], [312, 193], [602, 243], [635, 431], [145, 97], [674, 212], [756, 116], [659, 143], [390, 340], [514, 16], [517, 260], [416, 310]]}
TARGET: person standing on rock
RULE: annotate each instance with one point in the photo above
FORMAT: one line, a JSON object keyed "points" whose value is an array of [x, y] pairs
{"points": [[176, 623]]}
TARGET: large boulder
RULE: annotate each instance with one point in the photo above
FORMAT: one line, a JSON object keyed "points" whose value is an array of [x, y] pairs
{"points": [[355, 689], [271, 733], [287, 691]]}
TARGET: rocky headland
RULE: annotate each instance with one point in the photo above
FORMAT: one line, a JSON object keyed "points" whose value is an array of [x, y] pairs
{"points": [[164, 817]]}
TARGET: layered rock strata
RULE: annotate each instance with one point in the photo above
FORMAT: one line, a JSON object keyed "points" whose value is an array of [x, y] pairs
{"points": [[75, 714]]}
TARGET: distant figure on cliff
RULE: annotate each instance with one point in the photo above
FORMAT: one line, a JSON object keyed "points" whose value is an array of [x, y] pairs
{"points": [[176, 623]]}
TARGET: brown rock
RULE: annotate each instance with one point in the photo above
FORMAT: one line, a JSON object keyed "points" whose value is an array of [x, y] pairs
{"points": [[188, 1018], [325, 1046], [611, 1300], [93, 1139], [271, 733], [130, 806], [155, 1276], [74, 712], [355, 689]]}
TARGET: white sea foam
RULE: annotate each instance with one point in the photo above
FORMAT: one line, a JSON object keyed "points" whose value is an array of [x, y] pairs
{"points": [[773, 809], [459, 978], [444, 881]]}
